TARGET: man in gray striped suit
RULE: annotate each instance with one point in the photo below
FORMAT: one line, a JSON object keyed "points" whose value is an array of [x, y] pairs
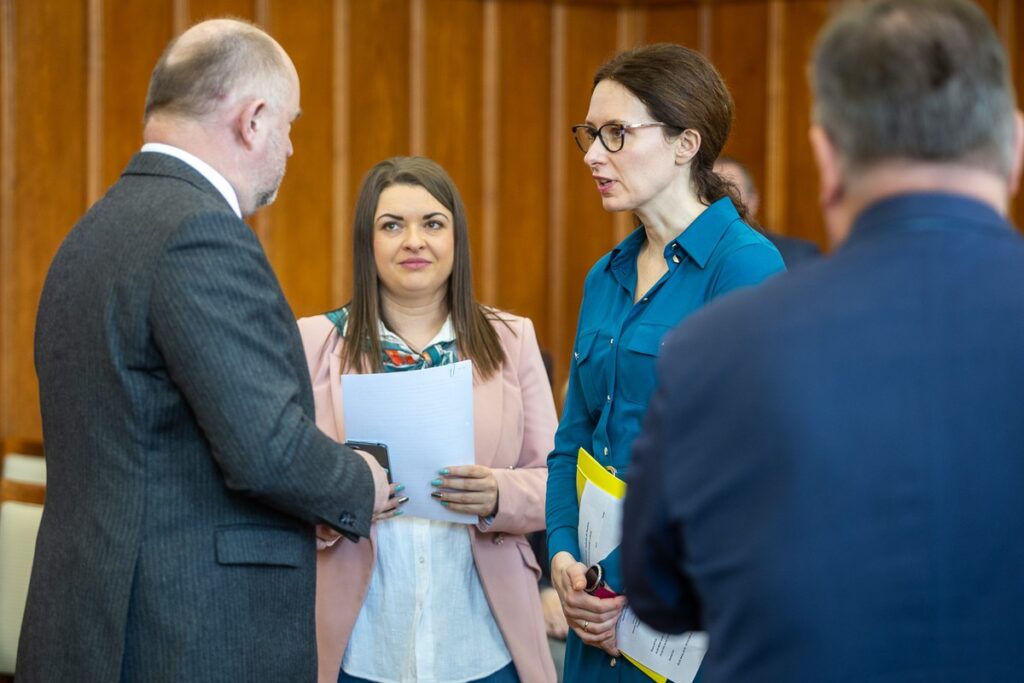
{"points": [[186, 474]]}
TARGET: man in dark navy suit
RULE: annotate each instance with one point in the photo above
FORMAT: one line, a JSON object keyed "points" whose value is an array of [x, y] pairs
{"points": [[795, 251], [830, 477]]}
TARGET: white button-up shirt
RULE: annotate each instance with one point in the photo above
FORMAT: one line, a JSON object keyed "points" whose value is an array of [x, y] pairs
{"points": [[425, 618], [207, 171]]}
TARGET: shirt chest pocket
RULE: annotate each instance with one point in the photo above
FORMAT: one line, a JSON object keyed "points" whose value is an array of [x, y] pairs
{"points": [[591, 370], [636, 373]]}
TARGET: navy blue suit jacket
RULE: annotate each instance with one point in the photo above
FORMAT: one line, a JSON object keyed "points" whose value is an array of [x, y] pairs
{"points": [[795, 251], [829, 477]]}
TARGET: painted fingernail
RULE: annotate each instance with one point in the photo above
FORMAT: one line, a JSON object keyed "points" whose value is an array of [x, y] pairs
{"points": [[437, 482], [436, 494], [403, 499], [399, 512], [443, 471], [400, 487], [444, 502]]}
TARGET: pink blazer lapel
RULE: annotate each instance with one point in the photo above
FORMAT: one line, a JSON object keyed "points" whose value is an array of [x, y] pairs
{"points": [[488, 409], [339, 413]]}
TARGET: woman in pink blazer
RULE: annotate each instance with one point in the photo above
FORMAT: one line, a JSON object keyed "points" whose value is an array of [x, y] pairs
{"points": [[422, 599]]}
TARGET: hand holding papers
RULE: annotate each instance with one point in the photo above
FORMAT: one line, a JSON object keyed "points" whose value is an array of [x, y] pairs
{"points": [[659, 655], [426, 419]]}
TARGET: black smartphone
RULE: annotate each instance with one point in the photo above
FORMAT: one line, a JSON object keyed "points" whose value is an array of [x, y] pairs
{"points": [[379, 451]]}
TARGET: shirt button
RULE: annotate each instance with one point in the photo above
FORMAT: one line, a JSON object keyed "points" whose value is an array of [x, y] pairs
{"points": [[606, 450], [675, 258], [422, 560], [675, 245], [576, 354], [645, 299], [609, 398], [613, 662], [611, 342], [498, 539]]}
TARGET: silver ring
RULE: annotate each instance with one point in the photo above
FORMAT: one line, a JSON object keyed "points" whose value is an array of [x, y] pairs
{"points": [[586, 626]]}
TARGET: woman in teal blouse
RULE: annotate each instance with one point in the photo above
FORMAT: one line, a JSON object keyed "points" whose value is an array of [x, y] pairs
{"points": [[659, 116]]}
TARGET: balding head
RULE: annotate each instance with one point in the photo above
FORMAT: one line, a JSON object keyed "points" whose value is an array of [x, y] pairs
{"points": [[214, 63]]}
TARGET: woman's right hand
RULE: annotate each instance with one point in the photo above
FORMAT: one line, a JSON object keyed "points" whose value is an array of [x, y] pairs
{"points": [[593, 619], [394, 500], [385, 500]]}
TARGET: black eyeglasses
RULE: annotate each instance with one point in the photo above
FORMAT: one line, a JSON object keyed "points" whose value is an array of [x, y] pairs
{"points": [[611, 135]]}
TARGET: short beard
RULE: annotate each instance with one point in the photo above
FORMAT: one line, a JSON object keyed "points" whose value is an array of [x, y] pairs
{"points": [[267, 197]]}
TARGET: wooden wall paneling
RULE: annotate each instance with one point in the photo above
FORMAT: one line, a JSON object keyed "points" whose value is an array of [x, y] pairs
{"points": [[452, 79], [133, 35], [377, 100], [6, 194], [300, 233], [523, 134], [739, 50], [802, 217], [48, 181], [199, 10], [587, 230], [680, 25]]}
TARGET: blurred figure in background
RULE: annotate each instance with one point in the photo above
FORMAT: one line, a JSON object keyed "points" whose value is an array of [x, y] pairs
{"points": [[794, 251], [840, 500]]}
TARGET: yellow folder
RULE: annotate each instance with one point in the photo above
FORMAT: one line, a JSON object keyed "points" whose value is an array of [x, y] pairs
{"points": [[588, 469]]}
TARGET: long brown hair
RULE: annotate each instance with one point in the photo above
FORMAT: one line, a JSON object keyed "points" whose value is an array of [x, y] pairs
{"points": [[475, 336], [681, 88]]}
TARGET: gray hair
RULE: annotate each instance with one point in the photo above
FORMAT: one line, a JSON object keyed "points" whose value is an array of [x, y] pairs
{"points": [[191, 80], [921, 80]]}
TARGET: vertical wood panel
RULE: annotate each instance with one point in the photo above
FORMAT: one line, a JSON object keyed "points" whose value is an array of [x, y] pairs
{"points": [[49, 179], [739, 49], [7, 34], [674, 25], [524, 179], [802, 216], [198, 10], [377, 101], [486, 285], [300, 233], [451, 94], [587, 229], [134, 34]]}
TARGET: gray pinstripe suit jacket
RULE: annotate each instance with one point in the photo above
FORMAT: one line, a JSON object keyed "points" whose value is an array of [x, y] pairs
{"points": [[185, 469]]}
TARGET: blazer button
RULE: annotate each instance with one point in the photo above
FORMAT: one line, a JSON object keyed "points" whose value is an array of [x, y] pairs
{"points": [[499, 539]]}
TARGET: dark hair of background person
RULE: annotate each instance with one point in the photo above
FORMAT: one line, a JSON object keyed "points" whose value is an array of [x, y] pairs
{"points": [[921, 80], [682, 89], [195, 83], [474, 334]]}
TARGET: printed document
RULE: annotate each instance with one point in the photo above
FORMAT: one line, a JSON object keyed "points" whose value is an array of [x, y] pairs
{"points": [[425, 417], [660, 655]]}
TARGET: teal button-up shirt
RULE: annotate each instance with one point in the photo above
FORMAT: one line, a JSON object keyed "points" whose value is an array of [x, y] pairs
{"points": [[612, 374], [617, 342]]}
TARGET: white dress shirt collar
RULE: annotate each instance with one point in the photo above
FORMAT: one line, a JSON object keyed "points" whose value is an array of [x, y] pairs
{"points": [[207, 171]]}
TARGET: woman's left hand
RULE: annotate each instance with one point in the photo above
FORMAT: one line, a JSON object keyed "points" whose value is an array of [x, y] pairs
{"points": [[470, 489]]}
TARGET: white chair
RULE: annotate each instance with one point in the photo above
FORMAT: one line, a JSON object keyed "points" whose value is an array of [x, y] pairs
{"points": [[19, 525], [26, 468]]}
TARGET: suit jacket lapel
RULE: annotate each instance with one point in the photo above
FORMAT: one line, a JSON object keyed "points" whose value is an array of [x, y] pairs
{"points": [[488, 417], [336, 398]]}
